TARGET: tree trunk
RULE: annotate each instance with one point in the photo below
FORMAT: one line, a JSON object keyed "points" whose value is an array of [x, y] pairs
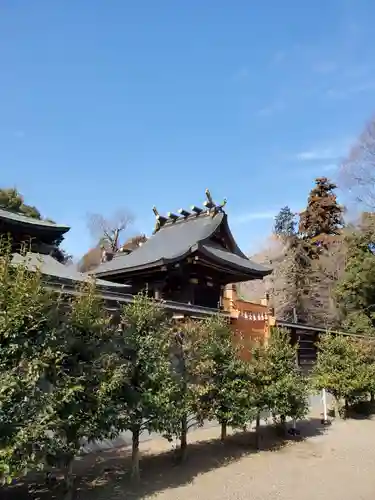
{"points": [[183, 440], [283, 425], [257, 431], [135, 453], [337, 407], [223, 434], [69, 481], [372, 397], [346, 407]]}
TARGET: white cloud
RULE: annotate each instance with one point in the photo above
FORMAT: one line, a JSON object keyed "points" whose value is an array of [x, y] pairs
{"points": [[344, 93], [279, 57], [326, 155], [329, 167], [315, 155], [242, 74], [325, 67], [273, 108], [253, 216]]}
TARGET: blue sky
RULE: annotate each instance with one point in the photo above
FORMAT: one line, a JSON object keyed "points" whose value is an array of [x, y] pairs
{"points": [[129, 104]]}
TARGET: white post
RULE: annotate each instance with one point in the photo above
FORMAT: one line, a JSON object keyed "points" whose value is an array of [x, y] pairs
{"points": [[325, 420], [324, 397]]}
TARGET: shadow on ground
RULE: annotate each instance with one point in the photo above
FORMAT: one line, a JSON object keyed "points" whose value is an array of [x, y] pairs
{"points": [[105, 475], [362, 410]]}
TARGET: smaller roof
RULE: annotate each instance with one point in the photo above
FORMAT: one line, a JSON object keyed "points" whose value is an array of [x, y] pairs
{"points": [[16, 218], [238, 262], [52, 268]]}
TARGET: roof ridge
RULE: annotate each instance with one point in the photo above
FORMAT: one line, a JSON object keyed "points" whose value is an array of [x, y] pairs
{"points": [[210, 208]]}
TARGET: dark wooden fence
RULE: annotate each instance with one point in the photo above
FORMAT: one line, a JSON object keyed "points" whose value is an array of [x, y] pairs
{"points": [[307, 337]]}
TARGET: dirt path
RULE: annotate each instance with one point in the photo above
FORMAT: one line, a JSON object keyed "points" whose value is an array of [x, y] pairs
{"points": [[337, 463]]}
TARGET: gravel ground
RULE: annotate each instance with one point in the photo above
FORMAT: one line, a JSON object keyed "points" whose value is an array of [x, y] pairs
{"points": [[337, 462], [338, 465]]}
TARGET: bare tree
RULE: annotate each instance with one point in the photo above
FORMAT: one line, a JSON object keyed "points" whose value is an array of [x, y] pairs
{"points": [[325, 274], [110, 230], [357, 172], [270, 254]]}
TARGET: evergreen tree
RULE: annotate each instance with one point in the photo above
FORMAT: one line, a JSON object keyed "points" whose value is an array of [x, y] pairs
{"points": [[187, 364], [323, 216], [291, 281], [285, 223], [147, 398], [342, 369], [28, 325], [291, 274], [355, 292], [81, 380], [225, 395], [281, 388]]}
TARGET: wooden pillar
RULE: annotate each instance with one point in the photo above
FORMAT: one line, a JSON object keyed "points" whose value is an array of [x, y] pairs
{"points": [[158, 290], [193, 282]]}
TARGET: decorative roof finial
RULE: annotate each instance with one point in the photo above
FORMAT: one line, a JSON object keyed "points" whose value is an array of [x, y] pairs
{"points": [[209, 203], [160, 220], [209, 197], [222, 205]]}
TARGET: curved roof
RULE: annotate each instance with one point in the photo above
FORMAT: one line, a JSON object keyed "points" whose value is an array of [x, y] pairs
{"points": [[179, 238], [20, 219], [54, 269]]}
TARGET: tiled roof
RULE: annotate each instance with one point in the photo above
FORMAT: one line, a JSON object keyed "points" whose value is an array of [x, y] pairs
{"points": [[14, 217], [54, 269], [179, 238]]}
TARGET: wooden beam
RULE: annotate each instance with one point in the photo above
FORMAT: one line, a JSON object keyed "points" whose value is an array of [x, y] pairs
{"points": [[173, 217], [184, 213], [196, 209]]}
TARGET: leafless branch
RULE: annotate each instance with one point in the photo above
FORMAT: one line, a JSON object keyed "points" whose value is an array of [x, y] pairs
{"points": [[110, 230], [357, 172]]}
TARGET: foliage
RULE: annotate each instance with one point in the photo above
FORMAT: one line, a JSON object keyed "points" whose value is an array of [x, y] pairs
{"points": [[28, 323], [147, 401], [285, 223], [355, 292], [302, 282], [367, 353], [323, 216], [84, 370], [224, 395], [280, 387], [56, 371], [342, 368], [11, 199], [187, 366]]}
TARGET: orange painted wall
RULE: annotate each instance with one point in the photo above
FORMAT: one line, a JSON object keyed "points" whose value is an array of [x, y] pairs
{"points": [[250, 321]]}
